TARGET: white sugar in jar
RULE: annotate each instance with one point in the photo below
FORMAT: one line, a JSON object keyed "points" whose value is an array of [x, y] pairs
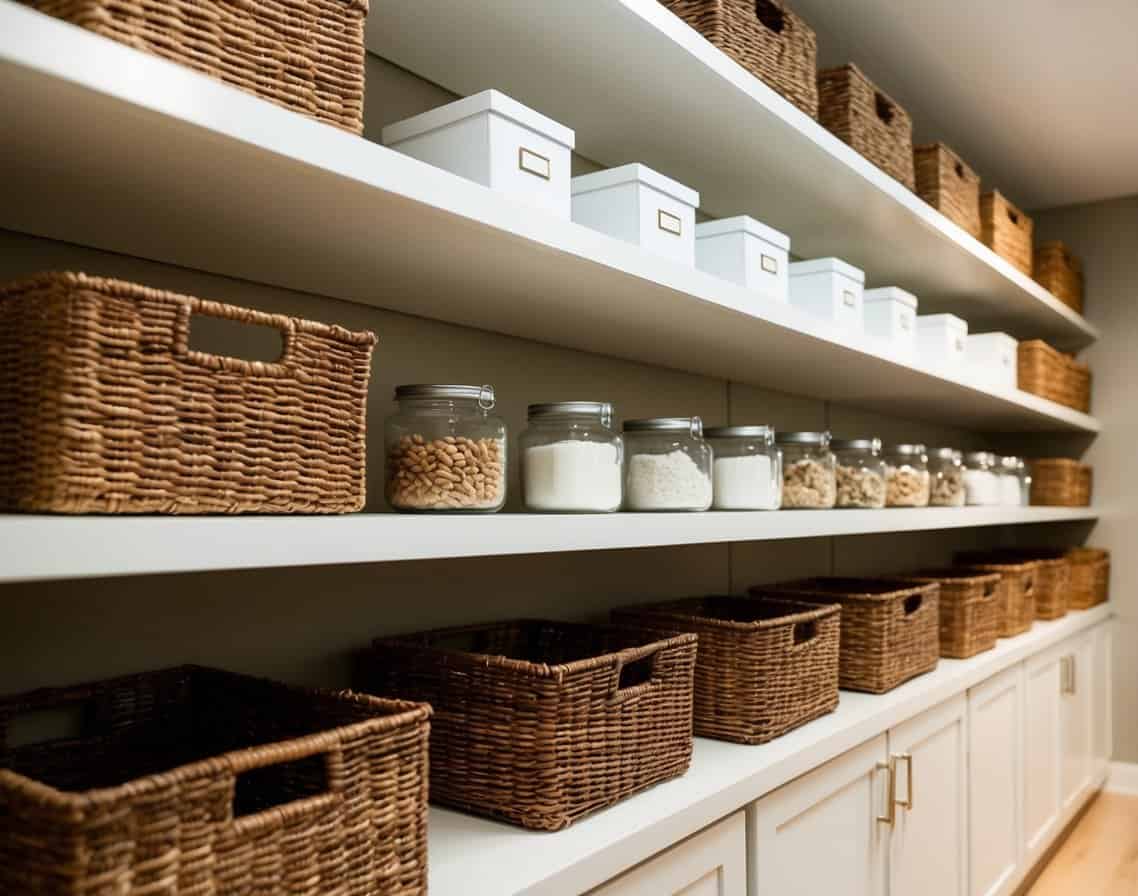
{"points": [[572, 460], [746, 471]]}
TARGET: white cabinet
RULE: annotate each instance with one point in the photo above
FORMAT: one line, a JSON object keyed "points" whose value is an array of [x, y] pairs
{"points": [[1076, 672], [1101, 696], [710, 863], [1042, 750], [995, 780]]}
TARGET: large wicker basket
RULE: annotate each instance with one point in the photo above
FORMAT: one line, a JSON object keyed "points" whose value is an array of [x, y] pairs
{"points": [[104, 408], [1060, 482], [852, 108], [763, 36], [1016, 610], [946, 183], [971, 607], [1052, 575], [194, 780], [1006, 230], [889, 627], [1049, 373], [1090, 577], [1060, 272], [540, 723], [306, 55], [763, 667]]}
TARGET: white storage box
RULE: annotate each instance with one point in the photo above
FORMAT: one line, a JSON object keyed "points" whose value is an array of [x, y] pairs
{"points": [[497, 142], [829, 288], [942, 341], [638, 205], [745, 251], [890, 317], [992, 359]]}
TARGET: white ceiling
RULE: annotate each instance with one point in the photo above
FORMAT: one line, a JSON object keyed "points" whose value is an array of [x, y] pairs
{"points": [[1039, 96]]}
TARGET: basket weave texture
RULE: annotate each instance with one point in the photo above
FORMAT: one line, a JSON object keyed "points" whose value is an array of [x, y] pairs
{"points": [[1006, 230], [540, 723], [763, 36], [853, 109], [194, 780], [1060, 482], [1060, 272], [1016, 608], [1090, 577], [946, 183], [763, 667], [1052, 575], [104, 408], [889, 627], [1049, 373], [970, 605], [306, 55]]}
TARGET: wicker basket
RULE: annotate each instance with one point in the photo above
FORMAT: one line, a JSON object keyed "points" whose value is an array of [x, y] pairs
{"points": [[1016, 611], [948, 185], [1060, 482], [1052, 575], [306, 55], [763, 667], [763, 36], [104, 408], [193, 780], [1090, 577], [889, 627], [1060, 272], [971, 607], [1051, 374], [851, 107], [540, 723], [1006, 230]]}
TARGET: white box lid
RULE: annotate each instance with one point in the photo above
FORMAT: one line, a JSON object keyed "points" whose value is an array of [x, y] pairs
{"points": [[890, 294], [487, 101], [950, 321], [634, 173], [746, 224], [827, 266], [1008, 341]]}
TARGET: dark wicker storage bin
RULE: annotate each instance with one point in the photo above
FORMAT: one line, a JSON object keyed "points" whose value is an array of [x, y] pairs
{"points": [[1016, 611], [193, 780], [948, 185], [104, 408], [763, 667], [1006, 230], [1060, 272], [1051, 374], [1090, 577], [889, 627], [971, 609], [306, 55], [763, 36], [1060, 482], [852, 108], [540, 723], [1052, 575]]}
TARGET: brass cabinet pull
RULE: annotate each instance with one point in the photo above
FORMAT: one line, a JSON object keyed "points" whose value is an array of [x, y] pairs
{"points": [[908, 760], [890, 815]]}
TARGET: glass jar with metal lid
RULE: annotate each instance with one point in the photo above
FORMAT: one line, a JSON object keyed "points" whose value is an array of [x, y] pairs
{"points": [[747, 473], [808, 470], [667, 464], [572, 461], [946, 478], [1024, 483], [906, 476], [981, 482], [1007, 474], [860, 473], [446, 451]]}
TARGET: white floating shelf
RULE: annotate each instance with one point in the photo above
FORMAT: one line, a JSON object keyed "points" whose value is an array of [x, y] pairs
{"points": [[638, 84], [179, 168], [61, 547]]}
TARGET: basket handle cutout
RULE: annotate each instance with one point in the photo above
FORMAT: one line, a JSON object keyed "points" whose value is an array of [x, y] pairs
{"points": [[959, 169], [44, 725], [991, 588], [209, 333], [635, 675], [805, 632], [913, 603], [302, 780], [1013, 217], [884, 108], [1028, 585], [770, 15]]}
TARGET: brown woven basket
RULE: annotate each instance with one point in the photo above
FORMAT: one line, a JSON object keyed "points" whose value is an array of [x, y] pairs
{"points": [[1051, 374], [306, 55], [1090, 577], [194, 780], [1060, 482], [763, 36], [948, 185], [1006, 230], [763, 667], [889, 627], [853, 109], [540, 723], [1052, 575], [1015, 613], [1060, 272], [104, 408], [970, 604]]}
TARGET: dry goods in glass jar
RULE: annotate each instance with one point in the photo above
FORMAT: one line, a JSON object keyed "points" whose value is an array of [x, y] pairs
{"points": [[859, 487], [906, 487], [948, 489], [451, 472], [808, 483]]}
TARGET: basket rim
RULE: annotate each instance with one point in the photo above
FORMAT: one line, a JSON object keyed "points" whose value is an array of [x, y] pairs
{"points": [[909, 588], [965, 574], [672, 610]]}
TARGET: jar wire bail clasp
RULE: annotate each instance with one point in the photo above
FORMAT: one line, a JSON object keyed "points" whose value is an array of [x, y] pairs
{"points": [[486, 398]]}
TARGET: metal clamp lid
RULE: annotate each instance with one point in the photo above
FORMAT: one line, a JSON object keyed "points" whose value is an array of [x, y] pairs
{"points": [[601, 409], [873, 446], [947, 454], [766, 433], [907, 450], [821, 439], [484, 395], [693, 425]]}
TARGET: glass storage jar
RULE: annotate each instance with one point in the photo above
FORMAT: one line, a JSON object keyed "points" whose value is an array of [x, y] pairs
{"points": [[981, 482], [809, 478], [946, 478], [860, 473], [446, 451], [907, 476], [572, 461], [1008, 473], [747, 474], [667, 464], [1024, 483]]}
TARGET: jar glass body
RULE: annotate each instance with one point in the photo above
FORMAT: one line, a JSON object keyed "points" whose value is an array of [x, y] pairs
{"points": [[445, 455], [809, 476], [747, 473], [1024, 485], [666, 470], [946, 481], [860, 478], [981, 483], [571, 463], [1010, 486], [906, 480]]}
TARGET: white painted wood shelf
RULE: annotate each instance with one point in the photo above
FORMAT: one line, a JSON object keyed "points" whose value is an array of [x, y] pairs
{"points": [[176, 167], [469, 855], [39, 548], [638, 84]]}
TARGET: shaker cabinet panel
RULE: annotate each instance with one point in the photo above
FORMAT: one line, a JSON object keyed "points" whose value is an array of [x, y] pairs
{"points": [[1077, 684], [1042, 751]]}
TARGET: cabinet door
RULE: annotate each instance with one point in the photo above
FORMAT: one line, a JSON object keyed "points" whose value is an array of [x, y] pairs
{"points": [[1041, 752], [1101, 696], [1077, 685], [928, 850], [820, 833], [710, 863], [995, 776]]}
